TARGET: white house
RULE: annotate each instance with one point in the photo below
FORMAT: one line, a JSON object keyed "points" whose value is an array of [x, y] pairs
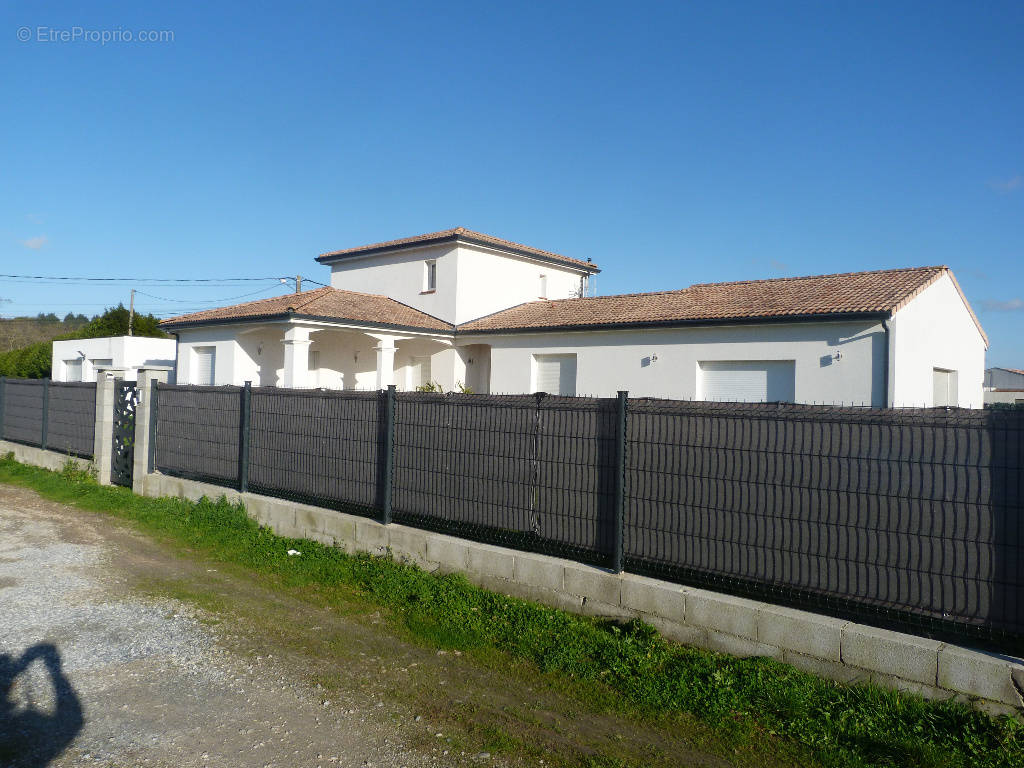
{"points": [[82, 359], [1004, 385], [464, 309]]}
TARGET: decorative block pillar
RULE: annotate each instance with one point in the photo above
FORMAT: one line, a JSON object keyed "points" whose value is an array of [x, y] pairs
{"points": [[103, 443], [143, 426]]}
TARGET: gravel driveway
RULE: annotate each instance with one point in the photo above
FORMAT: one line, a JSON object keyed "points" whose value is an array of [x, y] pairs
{"points": [[93, 674]]}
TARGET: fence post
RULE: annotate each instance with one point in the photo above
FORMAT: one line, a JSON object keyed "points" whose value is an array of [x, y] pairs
{"points": [[3, 393], [154, 414], [620, 479], [389, 454], [244, 419], [46, 414]]}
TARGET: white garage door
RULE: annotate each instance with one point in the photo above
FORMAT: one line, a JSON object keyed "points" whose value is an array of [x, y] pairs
{"points": [[555, 374], [748, 381]]}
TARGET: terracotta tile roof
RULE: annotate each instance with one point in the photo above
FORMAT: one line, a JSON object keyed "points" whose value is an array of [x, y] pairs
{"points": [[453, 235], [326, 303], [797, 297]]}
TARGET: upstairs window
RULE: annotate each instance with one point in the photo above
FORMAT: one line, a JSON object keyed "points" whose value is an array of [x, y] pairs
{"points": [[429, 276], [543, 287]]}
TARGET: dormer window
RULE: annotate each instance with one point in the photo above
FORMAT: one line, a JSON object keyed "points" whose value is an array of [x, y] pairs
{"points": [[429, 276], [543, 287]]}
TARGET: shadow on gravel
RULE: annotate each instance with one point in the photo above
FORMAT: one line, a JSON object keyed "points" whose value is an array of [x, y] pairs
{"points": [[31, 737]]}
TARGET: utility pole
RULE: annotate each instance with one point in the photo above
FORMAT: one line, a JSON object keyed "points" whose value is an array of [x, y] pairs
{"points": [[298, 283], [131, 312]]}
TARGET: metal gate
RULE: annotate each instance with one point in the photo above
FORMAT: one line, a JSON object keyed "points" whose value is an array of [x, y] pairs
{"points": [[126, 399]]}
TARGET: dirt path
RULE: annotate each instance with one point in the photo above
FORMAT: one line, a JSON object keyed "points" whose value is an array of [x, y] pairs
{"points": [[137, 653], [142, 681]]}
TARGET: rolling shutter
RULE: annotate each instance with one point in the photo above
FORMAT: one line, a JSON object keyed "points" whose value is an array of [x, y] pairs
{"points": [[73, 370], [743, 381], [555, 374], [204, 366]]}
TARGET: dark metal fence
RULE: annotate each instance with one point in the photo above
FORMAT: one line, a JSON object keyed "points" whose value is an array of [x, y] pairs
{"points": [[60, 416], [909, 518]]}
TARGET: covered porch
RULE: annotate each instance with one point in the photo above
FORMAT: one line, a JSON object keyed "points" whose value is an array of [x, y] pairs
{"points": [[309, 355]]}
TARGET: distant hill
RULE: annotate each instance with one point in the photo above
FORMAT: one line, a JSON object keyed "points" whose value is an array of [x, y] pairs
{"points": [[31, 359], [18, 332]]}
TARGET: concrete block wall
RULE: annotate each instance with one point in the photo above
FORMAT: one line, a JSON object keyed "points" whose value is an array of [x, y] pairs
{"points": [[37, 457], [825, 646]]}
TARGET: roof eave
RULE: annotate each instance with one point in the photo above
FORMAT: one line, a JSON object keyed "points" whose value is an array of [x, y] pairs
{"points": [[761, 320], [284, 316], [329, 258]]}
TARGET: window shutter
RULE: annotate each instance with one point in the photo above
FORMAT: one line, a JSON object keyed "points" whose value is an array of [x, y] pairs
{"points": [[204, 366], [556, 374]]}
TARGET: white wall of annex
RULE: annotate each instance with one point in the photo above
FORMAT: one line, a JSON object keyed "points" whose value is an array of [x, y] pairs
{"points": [[935, 330], [489, 281], [127, 353], [230, 365], [608, 361], [399, 275]]}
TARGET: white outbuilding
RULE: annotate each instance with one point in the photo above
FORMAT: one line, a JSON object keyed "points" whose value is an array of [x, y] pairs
{"points": [[83, 359], [467, 310]]}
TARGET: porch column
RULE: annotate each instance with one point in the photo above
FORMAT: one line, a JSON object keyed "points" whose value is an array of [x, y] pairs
{"points": [[296, 358], [385, 361]]}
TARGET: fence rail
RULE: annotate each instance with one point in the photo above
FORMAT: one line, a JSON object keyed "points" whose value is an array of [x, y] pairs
{"points": [[60, 416], [909, 518]]}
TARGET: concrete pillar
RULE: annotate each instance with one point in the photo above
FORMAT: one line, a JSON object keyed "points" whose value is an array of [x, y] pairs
{"points": [[103, 443], [385, 361], [296, 358], [143, 415]]}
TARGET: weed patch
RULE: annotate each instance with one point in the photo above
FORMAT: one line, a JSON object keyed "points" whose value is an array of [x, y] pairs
{"points": [[629, 667]]}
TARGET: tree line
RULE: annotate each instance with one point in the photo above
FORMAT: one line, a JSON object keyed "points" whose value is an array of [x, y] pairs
{"points": [[33, 360]]}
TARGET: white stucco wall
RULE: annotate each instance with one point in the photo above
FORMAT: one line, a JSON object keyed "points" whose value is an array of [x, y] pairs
{"points": [[472, 281], [608, 361], [126, 353], [489, 281], [399, 275], [935, 330]]}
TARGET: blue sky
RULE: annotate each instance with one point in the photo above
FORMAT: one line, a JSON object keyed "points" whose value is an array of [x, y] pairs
{"points": [[672, 143]]}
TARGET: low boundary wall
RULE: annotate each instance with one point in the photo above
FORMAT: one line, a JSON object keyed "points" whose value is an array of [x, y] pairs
{"points": [[832, 648], [39, 457], [828, 647]]}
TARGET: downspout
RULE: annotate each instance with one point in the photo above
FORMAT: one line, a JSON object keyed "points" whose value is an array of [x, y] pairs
{"points": [[886, 403]]}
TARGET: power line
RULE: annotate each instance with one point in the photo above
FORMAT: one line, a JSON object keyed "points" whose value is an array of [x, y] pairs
{"points": [[226, 298], [145, 279]]}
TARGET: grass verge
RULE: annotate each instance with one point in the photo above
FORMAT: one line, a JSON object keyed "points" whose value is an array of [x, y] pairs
{"points": [[626, 667]]}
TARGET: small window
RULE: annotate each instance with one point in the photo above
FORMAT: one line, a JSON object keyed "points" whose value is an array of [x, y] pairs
{"points": [[944, 386], [554, 374], [429, 276], [543, 287], [205, 364]]}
